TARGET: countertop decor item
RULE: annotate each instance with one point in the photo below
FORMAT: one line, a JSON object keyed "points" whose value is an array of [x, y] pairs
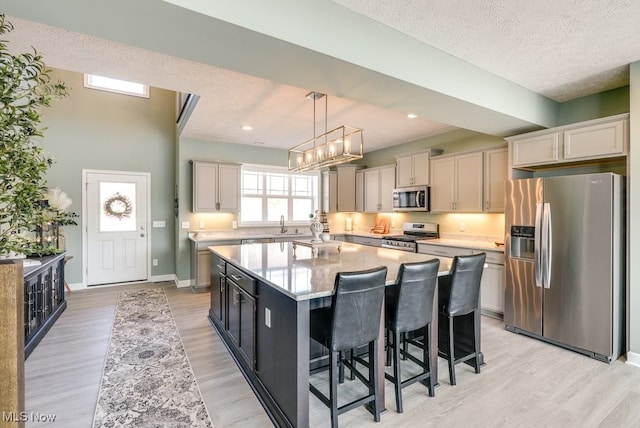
{"points": [[342, 144]]}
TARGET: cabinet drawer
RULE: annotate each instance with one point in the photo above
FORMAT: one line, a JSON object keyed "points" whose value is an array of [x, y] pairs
{"points": [[243, 280], [493, 257], [218, 265], [440, 250], [373, 242]]}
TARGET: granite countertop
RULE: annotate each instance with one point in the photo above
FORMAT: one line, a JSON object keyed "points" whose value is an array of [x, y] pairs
{"points": [[460, 243], [367, 234], [231, 235], [307, 277]]}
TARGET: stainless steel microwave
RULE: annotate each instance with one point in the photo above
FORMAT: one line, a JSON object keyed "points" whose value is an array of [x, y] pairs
{"points": [[411, 199]]}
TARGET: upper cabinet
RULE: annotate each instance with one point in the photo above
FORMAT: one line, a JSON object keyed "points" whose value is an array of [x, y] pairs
{"points": [[360, 191], [339, 189], [378, 188], [495, 176], [216, 187], [329, 191], [591, 140], [413, 169], [457, 183]]}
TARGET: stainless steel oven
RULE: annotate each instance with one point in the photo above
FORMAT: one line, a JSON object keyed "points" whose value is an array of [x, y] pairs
{"points": [[412, 232], [411, 198]]}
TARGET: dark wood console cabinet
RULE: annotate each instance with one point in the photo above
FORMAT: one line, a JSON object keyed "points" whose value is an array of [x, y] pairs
{"points": [[43, 299]]}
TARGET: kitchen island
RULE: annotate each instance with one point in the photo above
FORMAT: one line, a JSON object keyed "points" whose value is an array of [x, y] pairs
{"points": [[260, 301]]}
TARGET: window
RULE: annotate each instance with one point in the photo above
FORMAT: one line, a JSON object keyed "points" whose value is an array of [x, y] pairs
{"points": [[108, 84], [269, 193]]}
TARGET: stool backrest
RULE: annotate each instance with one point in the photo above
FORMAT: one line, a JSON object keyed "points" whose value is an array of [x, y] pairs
{"points": [[466, 273], [357, 307], [414, 291]]}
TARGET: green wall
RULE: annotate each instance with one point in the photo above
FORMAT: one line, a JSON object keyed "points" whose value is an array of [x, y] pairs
{"points": [[453, 141], [603, 104], [99, 130]]}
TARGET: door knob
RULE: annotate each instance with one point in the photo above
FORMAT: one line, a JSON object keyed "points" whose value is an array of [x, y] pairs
{"points": [[142, 235]]}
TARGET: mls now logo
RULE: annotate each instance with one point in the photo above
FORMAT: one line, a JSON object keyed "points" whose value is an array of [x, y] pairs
{"points": [[27, 417]]}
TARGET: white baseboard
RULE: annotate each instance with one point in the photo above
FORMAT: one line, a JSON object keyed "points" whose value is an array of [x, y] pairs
{"points": [[157, 278], [633, 358], [163, 278], [76, 286], [183, 283]]}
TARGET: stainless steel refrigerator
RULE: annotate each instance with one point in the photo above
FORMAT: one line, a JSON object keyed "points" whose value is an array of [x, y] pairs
{"points": [[564, 261]]}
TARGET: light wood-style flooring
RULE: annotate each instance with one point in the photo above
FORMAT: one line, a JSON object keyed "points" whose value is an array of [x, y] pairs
{"points": [[525, 382]]}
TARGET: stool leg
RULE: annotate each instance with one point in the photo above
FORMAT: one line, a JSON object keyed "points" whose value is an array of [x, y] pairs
{"points": [[426, 357], [353, 364], [340, 367], [405, 345], [476, 339], [388, 349], [452, 370], [373, 379], [397, 380], [333, 386]]}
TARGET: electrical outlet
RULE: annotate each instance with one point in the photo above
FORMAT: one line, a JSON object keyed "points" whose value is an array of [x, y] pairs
{"points": [[155, 262], [267, 317], [185, 225], [202, 224], [461, 227]]}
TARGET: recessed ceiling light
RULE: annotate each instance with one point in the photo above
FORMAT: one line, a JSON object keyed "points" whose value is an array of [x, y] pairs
{"points": [[412, 116], [259, 143], [247, 128]]}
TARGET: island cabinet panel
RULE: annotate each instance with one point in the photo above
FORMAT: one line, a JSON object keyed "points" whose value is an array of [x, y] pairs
{"points": [[218, 290], [283, 346], [241, 307]]}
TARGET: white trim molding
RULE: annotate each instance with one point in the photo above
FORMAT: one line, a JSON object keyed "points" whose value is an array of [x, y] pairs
{"points": [[633, 358]]}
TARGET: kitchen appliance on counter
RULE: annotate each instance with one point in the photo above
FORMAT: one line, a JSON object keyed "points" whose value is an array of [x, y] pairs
{"points": [[412, 232], [415, 198], [564, 265]]}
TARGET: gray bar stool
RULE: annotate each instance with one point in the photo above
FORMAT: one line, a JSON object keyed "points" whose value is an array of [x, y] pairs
{"points": [[459, 295], [353, 320], [409, 307]]}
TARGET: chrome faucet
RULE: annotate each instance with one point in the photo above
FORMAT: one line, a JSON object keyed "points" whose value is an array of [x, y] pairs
{"points": [[282, 229]]}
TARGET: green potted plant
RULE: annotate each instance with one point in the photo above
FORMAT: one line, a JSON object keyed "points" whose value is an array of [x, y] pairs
{"points": [[25, 88]]}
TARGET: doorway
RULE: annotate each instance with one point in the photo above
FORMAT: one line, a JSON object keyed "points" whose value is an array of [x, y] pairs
{"points": [[115, 232]]}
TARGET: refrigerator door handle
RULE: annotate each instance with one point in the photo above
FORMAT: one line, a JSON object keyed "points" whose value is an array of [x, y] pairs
{"points": [[537, 246], [546, 242]]}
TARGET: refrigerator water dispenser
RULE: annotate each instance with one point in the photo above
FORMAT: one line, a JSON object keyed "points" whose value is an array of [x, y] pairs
{"points": [[522, 242]]}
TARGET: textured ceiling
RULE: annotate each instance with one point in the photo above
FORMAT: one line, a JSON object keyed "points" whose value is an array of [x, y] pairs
{"points": [[561, 49]]}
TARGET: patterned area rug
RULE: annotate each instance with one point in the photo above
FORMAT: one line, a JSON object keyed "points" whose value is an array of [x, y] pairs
{"points": [[147, 379]]}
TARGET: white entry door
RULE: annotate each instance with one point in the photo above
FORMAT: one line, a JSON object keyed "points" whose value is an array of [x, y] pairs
{"points": [[116, 227]]}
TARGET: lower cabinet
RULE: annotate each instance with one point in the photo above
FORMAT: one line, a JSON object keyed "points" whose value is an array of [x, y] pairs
{"points": [[241, 313], [218, 289], [44, 299], [362, 240], [492, 290]]}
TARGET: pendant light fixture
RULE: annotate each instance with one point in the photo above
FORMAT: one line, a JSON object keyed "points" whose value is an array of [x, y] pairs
{"points": [[342, 144]]}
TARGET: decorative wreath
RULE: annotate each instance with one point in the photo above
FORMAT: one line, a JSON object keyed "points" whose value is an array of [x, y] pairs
{"points": [[118, 206]]}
